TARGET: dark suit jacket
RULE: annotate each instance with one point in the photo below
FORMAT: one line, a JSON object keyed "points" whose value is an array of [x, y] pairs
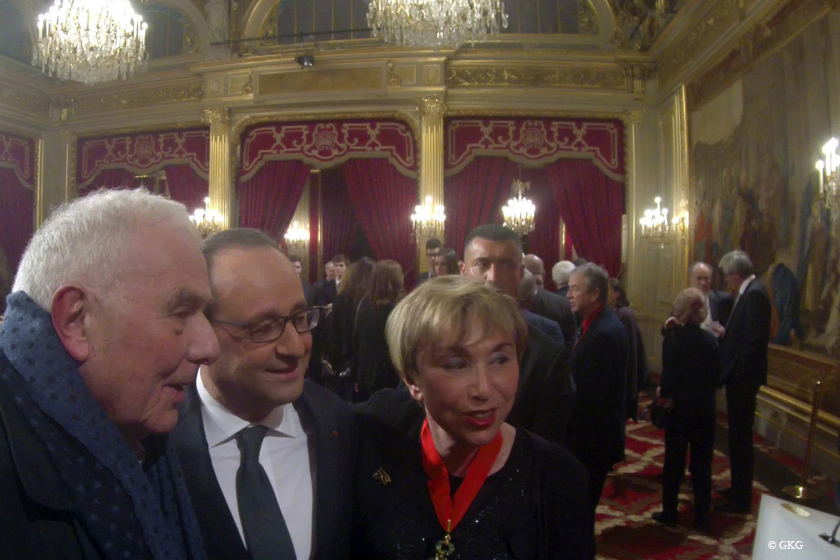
{"points": [[323, 292], [690, 369], [563, 291], [598, 364], [720, 306], [743, 350], [307, 290], [425, 276], [548, 327], [558, 309], [331, 428]]}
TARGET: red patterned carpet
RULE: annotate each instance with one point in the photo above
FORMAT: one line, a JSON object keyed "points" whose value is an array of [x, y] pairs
{"points": [[624, 528]]}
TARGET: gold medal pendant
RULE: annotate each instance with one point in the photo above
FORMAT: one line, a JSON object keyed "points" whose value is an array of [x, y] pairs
{"points": [[444, 548]]}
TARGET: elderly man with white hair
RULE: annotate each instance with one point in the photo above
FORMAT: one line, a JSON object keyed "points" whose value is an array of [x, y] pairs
{"points": [[560, 273], [103, 331]]}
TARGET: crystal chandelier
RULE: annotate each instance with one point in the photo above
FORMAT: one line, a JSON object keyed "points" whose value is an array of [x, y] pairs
{"points": [[436, 23], [428, 220], [829, 169], [296, 237], [519, 211], [207, 221], [90, 41], [657, 229]]}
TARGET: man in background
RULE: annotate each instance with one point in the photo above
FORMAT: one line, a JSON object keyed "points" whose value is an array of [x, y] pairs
{"points": [[324, 290], [598, 364], [102, 336], [493, 253], [526, 296], [719, 303], [297, 262], [433, 247], [548, 304], [270, 455], [560, 274], [743, 359]]}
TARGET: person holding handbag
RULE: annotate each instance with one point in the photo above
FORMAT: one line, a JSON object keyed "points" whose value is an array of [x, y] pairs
{"points": [[690, 375]]}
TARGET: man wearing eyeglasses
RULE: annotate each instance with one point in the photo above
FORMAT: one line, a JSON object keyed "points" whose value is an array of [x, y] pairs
{"points": [[268, 455]]}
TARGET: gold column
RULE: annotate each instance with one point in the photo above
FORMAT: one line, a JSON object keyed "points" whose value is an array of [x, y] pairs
{"points": [[221, 199], [432, 110]]}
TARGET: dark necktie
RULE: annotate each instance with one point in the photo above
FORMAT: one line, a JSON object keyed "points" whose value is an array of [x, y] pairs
{"points": [[266, 534]]}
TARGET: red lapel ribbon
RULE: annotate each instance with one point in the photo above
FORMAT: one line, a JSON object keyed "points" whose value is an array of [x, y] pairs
{"points": [[450, 510]]}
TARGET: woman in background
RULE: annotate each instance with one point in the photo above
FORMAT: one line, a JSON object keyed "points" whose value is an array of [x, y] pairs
{"points": [[456, 343], [447, 262], [372, 365], [617, 299], [690, 376], [341, 322]]}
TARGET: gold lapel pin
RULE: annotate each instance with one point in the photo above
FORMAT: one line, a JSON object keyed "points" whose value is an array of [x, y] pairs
{"points": [[382, 476]]}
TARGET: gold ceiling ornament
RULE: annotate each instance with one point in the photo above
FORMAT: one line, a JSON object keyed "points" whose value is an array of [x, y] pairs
{"points": [[297, 237], [428, 220], [436, 24], [657, 229], [207, 221], [519, 210], [91, 41]]}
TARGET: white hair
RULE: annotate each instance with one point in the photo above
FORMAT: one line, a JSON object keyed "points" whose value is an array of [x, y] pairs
{"points": [[84, 241], [561, 271]]}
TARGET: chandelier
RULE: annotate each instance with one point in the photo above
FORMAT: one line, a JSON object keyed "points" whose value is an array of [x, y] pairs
{"points": [[427, 220], [436, 23], [657, 229], [207, 221], [829, 169], [519, 211], [296, 237], [90, 41]]}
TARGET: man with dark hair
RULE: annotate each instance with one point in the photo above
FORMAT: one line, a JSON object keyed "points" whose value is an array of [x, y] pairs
{"points": [[598, 364], [297, 262], [548, 304], [493, 253], [433, 248], [269, 454], [743, 359], [340, 263]]}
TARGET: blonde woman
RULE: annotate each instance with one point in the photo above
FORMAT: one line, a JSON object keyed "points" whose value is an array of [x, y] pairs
{"points": [[456, 344]]}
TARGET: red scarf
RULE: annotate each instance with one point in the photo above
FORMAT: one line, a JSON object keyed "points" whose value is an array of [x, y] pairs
{"points": [[587, 321], [450, 510]]}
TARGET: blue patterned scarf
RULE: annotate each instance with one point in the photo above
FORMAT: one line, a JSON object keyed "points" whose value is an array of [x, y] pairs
{"points": [[131, 510]]}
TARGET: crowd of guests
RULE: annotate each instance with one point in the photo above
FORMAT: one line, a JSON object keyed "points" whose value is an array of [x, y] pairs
{"points": [[477, 416]]}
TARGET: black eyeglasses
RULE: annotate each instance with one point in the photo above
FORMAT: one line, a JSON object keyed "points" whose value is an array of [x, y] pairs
{"points": [[269, 330]]}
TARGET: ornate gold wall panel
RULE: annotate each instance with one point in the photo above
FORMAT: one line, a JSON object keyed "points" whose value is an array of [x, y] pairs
{"points": [[610, 78], [96, 103], [321, 80], [717, 20], [27, 101], [753, 46]]}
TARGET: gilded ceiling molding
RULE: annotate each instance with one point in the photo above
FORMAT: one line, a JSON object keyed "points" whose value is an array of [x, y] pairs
{"points": [[96, 103], [536, 114], [709, 28], [754, 46], [582, 77], [37, 104]]}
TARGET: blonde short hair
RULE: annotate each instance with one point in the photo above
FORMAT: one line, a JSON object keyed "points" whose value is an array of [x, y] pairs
{"points": [[690, 307], [441, 312]]}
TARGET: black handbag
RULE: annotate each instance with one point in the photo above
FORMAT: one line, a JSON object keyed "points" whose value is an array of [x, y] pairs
{"points": [[657, 412]]}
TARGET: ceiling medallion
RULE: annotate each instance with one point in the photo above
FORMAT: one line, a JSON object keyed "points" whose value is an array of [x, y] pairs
{"points": [[436, 23], [90, 41]]}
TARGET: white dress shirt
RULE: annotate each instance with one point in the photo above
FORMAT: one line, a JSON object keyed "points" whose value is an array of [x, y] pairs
{"points": [[284, 455]]}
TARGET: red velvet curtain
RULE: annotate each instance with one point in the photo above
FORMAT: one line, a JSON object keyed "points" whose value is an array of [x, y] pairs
{"points": [[591, 204], [186, 186], [475, 196], [110, 179], [544, 241], [16, 216], [340, 223], [384, 200], [268, 200]]}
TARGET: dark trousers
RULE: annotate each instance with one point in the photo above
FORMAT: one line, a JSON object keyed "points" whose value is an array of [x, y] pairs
{"points": [[697, 432], [740, 407], [597, 478]]}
